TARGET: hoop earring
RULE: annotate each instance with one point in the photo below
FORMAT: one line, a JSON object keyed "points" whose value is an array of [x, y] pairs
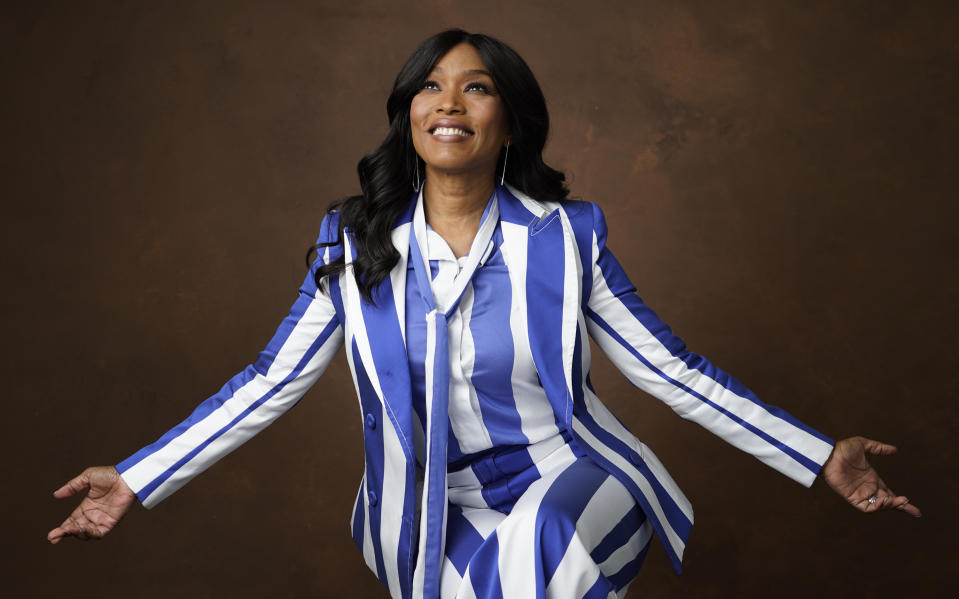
{"points": [[505, 157], [416, 169]]}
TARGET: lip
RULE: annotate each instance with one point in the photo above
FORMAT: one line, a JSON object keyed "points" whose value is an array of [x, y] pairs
{"points": [[453, 124]]}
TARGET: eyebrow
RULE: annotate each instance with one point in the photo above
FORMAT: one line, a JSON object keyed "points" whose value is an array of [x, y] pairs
{"points": [[469, 72]]}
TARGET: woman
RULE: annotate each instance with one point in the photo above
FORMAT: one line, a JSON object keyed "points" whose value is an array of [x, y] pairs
{"points": [[464, 283]]}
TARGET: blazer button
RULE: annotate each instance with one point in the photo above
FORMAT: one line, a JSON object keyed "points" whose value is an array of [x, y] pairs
{"points": [[635, 458], [372, 496], [370, 421]]}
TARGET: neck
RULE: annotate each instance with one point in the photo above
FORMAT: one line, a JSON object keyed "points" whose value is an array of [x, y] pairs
{"points": [[453, 205]]}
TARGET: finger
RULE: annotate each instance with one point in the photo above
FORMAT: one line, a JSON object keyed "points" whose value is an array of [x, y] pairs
{"points": [[874, 501], [85, 528], [878, 447], [78, 528], [74, 486], [69, 528], [55, 535], [909, 509]]}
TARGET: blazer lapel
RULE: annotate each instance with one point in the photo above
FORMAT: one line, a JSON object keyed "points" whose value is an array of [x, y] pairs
{"points": [[553, 291], [380, 334]]}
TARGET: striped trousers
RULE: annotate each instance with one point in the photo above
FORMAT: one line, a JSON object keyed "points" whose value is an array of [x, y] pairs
{"points": [[542, 521]]}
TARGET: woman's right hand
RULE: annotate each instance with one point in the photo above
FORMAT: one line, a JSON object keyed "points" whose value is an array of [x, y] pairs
{"points": [[107, 501]]}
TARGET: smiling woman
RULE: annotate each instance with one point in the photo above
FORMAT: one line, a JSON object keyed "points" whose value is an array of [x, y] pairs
{"points": [[464, 285], [458, 120]]}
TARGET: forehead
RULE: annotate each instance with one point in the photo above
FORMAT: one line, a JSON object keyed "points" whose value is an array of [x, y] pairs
{"points": [[461, 58]]}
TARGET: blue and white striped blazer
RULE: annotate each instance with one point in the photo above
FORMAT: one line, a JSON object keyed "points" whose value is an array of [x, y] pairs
{"points": [[572, 286]]}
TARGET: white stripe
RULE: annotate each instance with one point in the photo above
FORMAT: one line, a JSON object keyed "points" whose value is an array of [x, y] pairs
{"points": [[401, 240], [391, 503], [450, 579], [605, 509], [618, 316], [465, 489], [536, 414], [572, 292], [529, 203], [466, 417], [484, 521], [466, 590], [628, 552], [575, 574]]}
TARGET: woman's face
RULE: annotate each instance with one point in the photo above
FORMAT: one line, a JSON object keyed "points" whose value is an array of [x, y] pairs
{"points": [[458, 120]]}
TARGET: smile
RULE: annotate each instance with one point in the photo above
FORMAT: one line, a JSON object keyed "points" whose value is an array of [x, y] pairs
{"points": [[452, 131]]}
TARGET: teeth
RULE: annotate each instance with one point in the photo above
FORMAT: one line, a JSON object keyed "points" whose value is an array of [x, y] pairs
{"points": [[451, 131]]}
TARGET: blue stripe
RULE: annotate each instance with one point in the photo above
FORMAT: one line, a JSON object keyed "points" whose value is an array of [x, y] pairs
{"points": [[617, 537], [629, 571], [304, 360], [438, 435], [486, 562], [512, 210], [600, 589], [462, 540], [560, 508], [390, 361], [493, 348], [544, 313], [373, 444], [797, 456]]}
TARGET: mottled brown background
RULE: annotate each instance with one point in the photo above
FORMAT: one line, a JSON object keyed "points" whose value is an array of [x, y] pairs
{"points": [[779, 179]]}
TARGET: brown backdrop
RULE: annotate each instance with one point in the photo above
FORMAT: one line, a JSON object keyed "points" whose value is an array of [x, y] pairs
{"points": [[779, 181]]}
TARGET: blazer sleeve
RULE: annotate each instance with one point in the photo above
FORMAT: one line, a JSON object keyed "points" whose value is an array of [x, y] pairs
{"points": [[296, 356], [654, 359]]}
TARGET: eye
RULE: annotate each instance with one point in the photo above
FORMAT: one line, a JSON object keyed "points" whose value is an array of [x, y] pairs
{"points": [[430, 84], [477, 86]]}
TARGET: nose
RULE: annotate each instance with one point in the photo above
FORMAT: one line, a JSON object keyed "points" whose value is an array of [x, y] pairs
{"points": [[450, 102]]}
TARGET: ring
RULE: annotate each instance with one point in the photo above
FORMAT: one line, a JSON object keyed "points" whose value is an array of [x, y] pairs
{"points": [[873, 499]]}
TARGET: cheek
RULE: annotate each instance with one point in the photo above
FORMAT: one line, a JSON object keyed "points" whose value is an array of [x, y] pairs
{"points": [[418, 111]]}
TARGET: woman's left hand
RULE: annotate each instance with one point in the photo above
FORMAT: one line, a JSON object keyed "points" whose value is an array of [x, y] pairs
{"points": [[850, 475]]}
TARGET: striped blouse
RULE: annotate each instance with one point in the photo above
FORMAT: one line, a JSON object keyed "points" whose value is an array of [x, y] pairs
{"points": [[496, 399]]}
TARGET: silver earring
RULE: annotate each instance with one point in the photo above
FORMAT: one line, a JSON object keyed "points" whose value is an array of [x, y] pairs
{"points": [[416, 186], [503, 177]]}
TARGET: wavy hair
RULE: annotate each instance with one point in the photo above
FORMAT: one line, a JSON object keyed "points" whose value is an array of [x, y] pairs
{"points": [[388, 172]]}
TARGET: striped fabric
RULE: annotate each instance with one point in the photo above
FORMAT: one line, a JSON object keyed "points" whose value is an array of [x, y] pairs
{"points": [[565, 285], [495, 396], [561, 526]]}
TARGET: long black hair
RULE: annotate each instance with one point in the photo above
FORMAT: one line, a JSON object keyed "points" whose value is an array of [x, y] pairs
{"points": [[387, 173]]}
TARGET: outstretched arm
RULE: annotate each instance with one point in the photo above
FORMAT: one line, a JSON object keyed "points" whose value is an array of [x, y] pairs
{"points": [[108, 498], [851, 476], [655, 360], [646, 351], [294, 359]]}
